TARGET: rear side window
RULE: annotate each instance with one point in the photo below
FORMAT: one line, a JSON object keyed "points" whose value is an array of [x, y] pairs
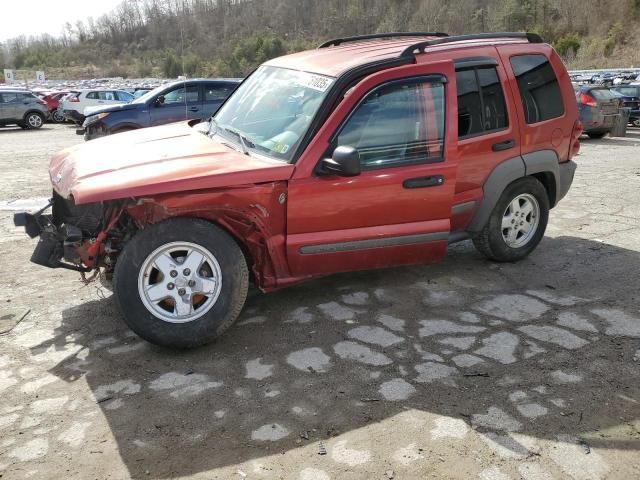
{"points": [[539, 89], [217, 92], [397, 124], [481, 105], [124, 96], [93, 95]]}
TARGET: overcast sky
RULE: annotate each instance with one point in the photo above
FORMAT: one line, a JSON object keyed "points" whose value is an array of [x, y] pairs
{"points": [[33, 17]]}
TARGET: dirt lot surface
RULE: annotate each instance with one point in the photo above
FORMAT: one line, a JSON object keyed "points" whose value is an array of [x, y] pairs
{"points": [[465, 369]]}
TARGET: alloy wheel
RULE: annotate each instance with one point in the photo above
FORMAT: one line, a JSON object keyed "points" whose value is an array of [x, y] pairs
{"points": [[520, 220], [179, 282]]}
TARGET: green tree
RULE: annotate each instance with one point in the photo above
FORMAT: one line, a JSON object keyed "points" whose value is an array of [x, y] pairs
{"points": [[171, 66]]}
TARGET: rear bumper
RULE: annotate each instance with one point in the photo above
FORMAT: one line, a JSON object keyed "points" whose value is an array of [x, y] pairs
{"points": [[566, 173]]}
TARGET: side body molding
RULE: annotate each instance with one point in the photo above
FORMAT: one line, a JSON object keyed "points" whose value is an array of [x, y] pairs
{"points": [[543, 161], [501, 176]]}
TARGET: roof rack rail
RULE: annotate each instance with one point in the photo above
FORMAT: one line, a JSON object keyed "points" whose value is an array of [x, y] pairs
{"points": [[338, 41], [420, 46]]}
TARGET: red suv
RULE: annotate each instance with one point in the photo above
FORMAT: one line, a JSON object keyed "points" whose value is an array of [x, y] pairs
{"points": [[368, 152]]}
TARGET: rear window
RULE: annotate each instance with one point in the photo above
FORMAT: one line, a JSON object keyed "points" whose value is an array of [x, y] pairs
{"points": [[602, 94], [539, 89], [628, 92]]}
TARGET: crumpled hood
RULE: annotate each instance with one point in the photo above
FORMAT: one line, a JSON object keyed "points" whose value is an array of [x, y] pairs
{"points": [[115, 107], [166, 159]]}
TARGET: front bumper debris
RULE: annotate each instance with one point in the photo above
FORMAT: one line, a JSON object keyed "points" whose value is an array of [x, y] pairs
{"points": [[55, 244]]}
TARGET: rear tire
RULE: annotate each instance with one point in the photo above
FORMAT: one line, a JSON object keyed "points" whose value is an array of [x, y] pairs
{"points": [[596, 136], [523, 208], [57, 117], [197, 305]]}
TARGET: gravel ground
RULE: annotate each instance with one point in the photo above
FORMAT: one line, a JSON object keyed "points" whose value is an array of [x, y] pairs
{"points": [[465, 369]]}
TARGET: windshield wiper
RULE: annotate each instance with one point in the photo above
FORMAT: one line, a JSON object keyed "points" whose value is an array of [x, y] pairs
{"points": [[243, 140], [213, 126]]}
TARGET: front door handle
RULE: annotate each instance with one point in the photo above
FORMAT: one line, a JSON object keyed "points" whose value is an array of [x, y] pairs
{"points": [[500, 146], [194, 109], [423, 182]]}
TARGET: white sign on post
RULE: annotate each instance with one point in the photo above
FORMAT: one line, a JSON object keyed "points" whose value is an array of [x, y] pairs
{"points": [[39, 76], [8, 76]]}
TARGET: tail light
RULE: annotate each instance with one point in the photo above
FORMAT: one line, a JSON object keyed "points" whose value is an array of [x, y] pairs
{"points": [[575, 139], [588, 100], [74, 99], [41, 102]]}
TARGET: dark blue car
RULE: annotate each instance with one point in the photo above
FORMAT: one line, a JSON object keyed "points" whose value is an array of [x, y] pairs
{"points": [[181, 100], [630, 95], [598, 109]]}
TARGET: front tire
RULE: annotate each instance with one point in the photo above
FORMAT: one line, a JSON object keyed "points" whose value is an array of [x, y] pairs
{"points": [[517, 222], [181, 283], [34, 120]]}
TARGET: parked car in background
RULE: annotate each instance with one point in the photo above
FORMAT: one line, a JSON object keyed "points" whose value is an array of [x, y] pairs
{"points": [[367, 152], [598, 108], [182, 100], [140, 92], [73, 106], [53, 102], [22, 108], [630, 95]]}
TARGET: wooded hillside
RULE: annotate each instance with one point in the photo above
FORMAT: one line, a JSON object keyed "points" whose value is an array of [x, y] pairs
{"points": [[143, 38]]}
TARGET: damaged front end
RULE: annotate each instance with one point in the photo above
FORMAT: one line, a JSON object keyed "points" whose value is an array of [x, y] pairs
{"points": [[83, 238]]}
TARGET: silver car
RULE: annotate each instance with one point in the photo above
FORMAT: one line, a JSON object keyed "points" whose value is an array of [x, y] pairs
{"points": [[22, 108]]}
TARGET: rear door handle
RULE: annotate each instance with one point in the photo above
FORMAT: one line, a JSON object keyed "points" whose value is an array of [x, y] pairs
{"points": [[194, 109], [423, 182], [500, 146]]}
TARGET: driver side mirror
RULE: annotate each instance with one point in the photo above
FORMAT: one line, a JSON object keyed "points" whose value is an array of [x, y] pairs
{"points": [[344, 162], [159, 100]]}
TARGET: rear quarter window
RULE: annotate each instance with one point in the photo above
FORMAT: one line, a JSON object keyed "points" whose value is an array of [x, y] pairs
{"points": [[538, 86]]}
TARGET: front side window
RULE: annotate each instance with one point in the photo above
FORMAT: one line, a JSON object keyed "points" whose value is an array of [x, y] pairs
{"points": [[182, 95], [397, 124], [539, 89], [272, 110], [481, 104]]}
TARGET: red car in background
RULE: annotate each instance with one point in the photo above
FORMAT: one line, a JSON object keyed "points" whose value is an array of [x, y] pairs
{"points": [[53, 102]]}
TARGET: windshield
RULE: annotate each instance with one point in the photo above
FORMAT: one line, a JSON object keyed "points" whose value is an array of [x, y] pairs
{"points": [[271, 111]]}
